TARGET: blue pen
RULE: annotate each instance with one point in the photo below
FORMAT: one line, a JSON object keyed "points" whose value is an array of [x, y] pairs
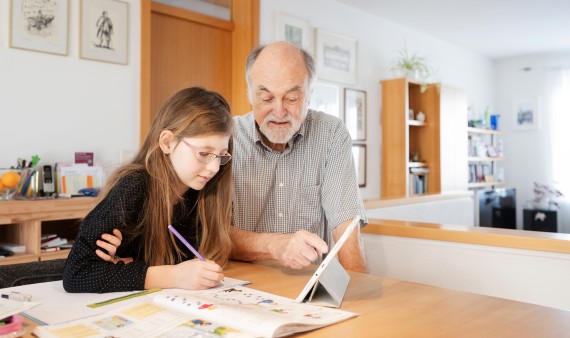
{"points": [[171, 228]]}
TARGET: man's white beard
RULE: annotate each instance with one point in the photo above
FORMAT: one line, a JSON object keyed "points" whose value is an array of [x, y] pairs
{"points": [[279, 135]]}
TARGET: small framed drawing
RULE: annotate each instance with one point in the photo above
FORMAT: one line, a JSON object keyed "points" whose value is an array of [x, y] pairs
{"points": [[355, 113], [326, 98], [525, 114], [39, 25], [336, 57], [295, 31], [359, 153], [104, 30]]}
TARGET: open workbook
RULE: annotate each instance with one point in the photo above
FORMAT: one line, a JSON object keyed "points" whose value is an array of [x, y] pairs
{"points": [[231, 312]]}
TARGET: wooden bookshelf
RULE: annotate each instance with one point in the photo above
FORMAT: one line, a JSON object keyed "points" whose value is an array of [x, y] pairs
{"points": [[439, 140], [24, 222]]}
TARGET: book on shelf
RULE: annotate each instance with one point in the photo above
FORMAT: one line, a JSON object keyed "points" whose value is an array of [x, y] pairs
{"points": [[54, 242], [46, 237], [480, 172], [236, 311], [56, 248], [418, 180], [13, 247]]}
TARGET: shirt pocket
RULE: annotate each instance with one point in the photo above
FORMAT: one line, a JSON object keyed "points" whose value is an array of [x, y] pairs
{"points": [[309, 209]]}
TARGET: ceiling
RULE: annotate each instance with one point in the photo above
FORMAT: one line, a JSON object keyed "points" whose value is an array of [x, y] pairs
{"points": [[494, 28]]}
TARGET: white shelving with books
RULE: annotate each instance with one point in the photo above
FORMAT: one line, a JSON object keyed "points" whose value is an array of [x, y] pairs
{"points": [[485, 152]]}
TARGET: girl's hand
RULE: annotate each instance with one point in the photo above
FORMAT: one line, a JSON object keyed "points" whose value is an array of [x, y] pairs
{"points": [[197, 275], [110, 244]]}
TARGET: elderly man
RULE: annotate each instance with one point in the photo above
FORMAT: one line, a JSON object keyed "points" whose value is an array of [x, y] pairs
{"points": [[294, 174]]}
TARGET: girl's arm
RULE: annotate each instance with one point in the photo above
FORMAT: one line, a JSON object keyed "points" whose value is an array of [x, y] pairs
{"points": [[192, 275]]}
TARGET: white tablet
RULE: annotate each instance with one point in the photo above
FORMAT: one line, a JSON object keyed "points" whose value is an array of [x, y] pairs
{"points": [[331, 256]]}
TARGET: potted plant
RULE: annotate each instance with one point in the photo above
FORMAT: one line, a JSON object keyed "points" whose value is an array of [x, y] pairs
{"points": [[545, 197], [412, 66]]}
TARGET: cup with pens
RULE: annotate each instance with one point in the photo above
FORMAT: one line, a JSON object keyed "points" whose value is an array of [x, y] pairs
{"points": [[29, 184]]}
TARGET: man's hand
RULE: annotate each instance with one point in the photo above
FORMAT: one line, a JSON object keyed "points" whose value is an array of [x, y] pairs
{"points": [[297, 250], [293, 250]]}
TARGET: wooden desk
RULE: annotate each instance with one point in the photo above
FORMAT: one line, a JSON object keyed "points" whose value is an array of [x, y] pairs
{"points": [[391, 308]]}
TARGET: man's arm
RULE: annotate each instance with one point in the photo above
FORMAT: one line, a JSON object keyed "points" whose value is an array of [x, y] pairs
{"points": [[351, 255], [293, 250]]}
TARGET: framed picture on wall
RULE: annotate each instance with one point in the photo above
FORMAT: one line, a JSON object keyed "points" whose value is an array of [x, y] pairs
{"points": [[39, 25], [355, 113], [295, 31], [336, 57], [326, 98], [359, 153], [104, 30], [525, 114]]}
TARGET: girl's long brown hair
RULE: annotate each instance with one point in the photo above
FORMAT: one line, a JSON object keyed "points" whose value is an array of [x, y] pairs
{"points": [[191, 112]]}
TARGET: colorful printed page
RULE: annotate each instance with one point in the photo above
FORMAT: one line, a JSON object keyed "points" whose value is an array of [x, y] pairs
{"points": [[141, 319], [250, 310]]}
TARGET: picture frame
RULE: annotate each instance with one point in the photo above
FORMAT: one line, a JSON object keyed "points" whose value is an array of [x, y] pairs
{"points": [[525, 113], [294, 30], [104, 31], [336, 57], [355, 113], [39, 26], [326, 98], [359, 154]]}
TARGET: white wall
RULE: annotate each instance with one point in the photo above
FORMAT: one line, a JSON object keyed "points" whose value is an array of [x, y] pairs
{"points": [[74, 104], [527, 152], [458, 211], [54, 105], [378, 42]]}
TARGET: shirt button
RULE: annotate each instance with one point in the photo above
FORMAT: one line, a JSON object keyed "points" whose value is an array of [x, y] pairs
{"points": [[280, 214], [280, 184]]}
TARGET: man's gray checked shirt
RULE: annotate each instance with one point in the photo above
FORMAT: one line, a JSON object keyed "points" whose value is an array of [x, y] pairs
{"points": [[312, 185]]}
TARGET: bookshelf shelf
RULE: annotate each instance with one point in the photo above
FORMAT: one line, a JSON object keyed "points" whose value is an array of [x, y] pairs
{"points": [[485, 184], [485, 159], [416, 123], [417, 164], [484, 131], [24, 222]]}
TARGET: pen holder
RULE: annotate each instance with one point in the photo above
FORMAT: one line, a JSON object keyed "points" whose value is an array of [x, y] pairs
{"points": [[13, 327], [29, 184]]}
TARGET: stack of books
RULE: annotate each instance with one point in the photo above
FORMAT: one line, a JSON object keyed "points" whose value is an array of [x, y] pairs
{"points": [[418, 181], [12, 248], [52, 242]]}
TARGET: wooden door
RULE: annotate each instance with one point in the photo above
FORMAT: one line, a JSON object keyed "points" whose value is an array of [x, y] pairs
{"points": [[180, 48]]}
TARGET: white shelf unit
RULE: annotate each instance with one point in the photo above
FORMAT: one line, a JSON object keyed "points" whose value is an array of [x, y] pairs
{"points": [[484, 152]]}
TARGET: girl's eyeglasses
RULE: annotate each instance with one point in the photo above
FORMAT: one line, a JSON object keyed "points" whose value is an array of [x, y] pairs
{"points": [[206, 157]]}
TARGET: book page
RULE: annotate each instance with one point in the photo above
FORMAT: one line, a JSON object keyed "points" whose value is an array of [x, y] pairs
{"points": [[251, 310], [140, 319]]}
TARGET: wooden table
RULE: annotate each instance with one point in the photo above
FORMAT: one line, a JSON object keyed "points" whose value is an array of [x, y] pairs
{"points": [[392, 308]]}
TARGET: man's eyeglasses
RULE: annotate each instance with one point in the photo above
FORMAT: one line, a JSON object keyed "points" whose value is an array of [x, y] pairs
{"points": [[206, 157]]}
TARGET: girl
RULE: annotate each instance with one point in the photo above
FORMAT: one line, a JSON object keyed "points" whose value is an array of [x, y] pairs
{"points": [[178, 177]]}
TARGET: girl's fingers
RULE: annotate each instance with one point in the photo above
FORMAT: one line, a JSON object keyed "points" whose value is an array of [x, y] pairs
{"points": [[118, 234], [111, 239], [111, 249], [103, 255]]}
